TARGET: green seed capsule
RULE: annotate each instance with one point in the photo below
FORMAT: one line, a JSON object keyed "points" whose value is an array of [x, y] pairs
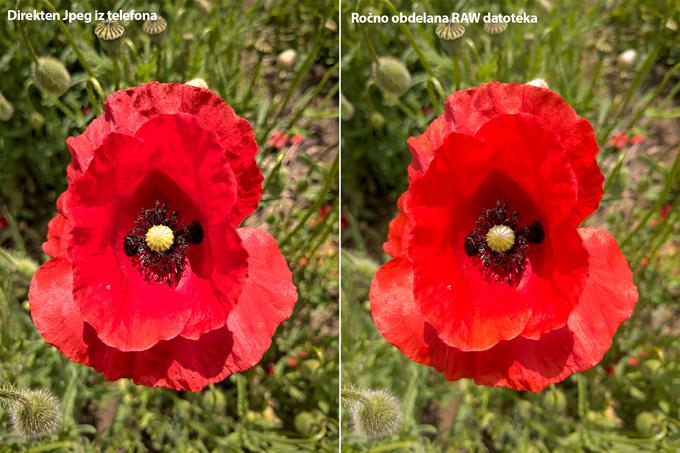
{"points": [[392, 76], [51, 76], [110, 34]]}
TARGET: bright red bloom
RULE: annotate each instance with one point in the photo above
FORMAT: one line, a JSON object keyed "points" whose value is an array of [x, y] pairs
{"points": [[151, 278], [637, 139], [491, 278], [618, 140]]}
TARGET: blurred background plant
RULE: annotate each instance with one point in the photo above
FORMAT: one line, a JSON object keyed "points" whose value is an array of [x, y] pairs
{"points": [[617, 64], [276, 63]]}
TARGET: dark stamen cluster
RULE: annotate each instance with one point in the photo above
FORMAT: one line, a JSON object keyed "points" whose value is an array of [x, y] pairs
{"points": [[167, 265], [509, 264]]}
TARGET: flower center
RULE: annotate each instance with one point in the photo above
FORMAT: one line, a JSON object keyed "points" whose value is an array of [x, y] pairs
{"points": [[159, 238], [499, 243], [500, 238], [157, 243]]}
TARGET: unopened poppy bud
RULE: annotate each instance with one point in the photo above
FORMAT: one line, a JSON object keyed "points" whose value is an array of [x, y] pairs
{"points": [[540, 83], [376, 414], [346, 108], [36, 120], [647, 424], [197, 82], [555, 401], [495, 28], [627, 58], [306, 423], [110, 34], [6, 108], [286, 59], [651, 366], [35, 414], [310, 367], [155, 28], [377, 121], [51, 76], [392, 76]]}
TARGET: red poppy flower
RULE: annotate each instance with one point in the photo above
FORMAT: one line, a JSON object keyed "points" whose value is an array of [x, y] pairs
{"points": [[151, 278], [491, 278]]}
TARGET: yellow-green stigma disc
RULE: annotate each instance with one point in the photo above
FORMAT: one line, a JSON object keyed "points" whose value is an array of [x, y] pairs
{"points": [[159, 238], [500, 238]]}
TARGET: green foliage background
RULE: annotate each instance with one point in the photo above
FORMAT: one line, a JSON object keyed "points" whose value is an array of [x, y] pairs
{"points": [[255, 411], [574, 47]]}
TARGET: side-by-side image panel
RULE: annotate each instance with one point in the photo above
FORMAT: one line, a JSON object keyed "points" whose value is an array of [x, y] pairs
{"points": [[168, 226], [509, 253]]}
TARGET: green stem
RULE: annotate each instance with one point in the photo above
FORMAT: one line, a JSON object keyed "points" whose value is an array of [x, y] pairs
{"points": [[29, 46], [159, 55], [331, 178], [256, 74], [275, 169], [116, 71], [353, 396], [11, 394], [369, 45], [412, 41], [669, 183], [69, 37]]}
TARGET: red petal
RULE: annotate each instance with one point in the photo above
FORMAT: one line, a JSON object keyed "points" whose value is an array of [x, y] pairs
{"points": [[127, 174], [607, 300], [468, 110], [268, 298], [468, 310], [395, 311], [128, 110], [54, 312]]}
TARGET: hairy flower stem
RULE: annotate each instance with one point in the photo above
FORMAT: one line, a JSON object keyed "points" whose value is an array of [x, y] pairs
{"points": [[116, 70], [11, 394], [330, 179], [69, 37], [29, 46], [256, 73], [421, 56], [353, 396], [159, 57]]}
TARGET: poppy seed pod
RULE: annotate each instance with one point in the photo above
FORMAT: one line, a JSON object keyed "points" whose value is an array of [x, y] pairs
{"points": [[35, 414], [155, 28], [392, 76], [110, 34], [627, 58], [376, 414], [286, 59], [6, 108], [51, 76], [495, 28], [449, 31], [262, 46]]}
